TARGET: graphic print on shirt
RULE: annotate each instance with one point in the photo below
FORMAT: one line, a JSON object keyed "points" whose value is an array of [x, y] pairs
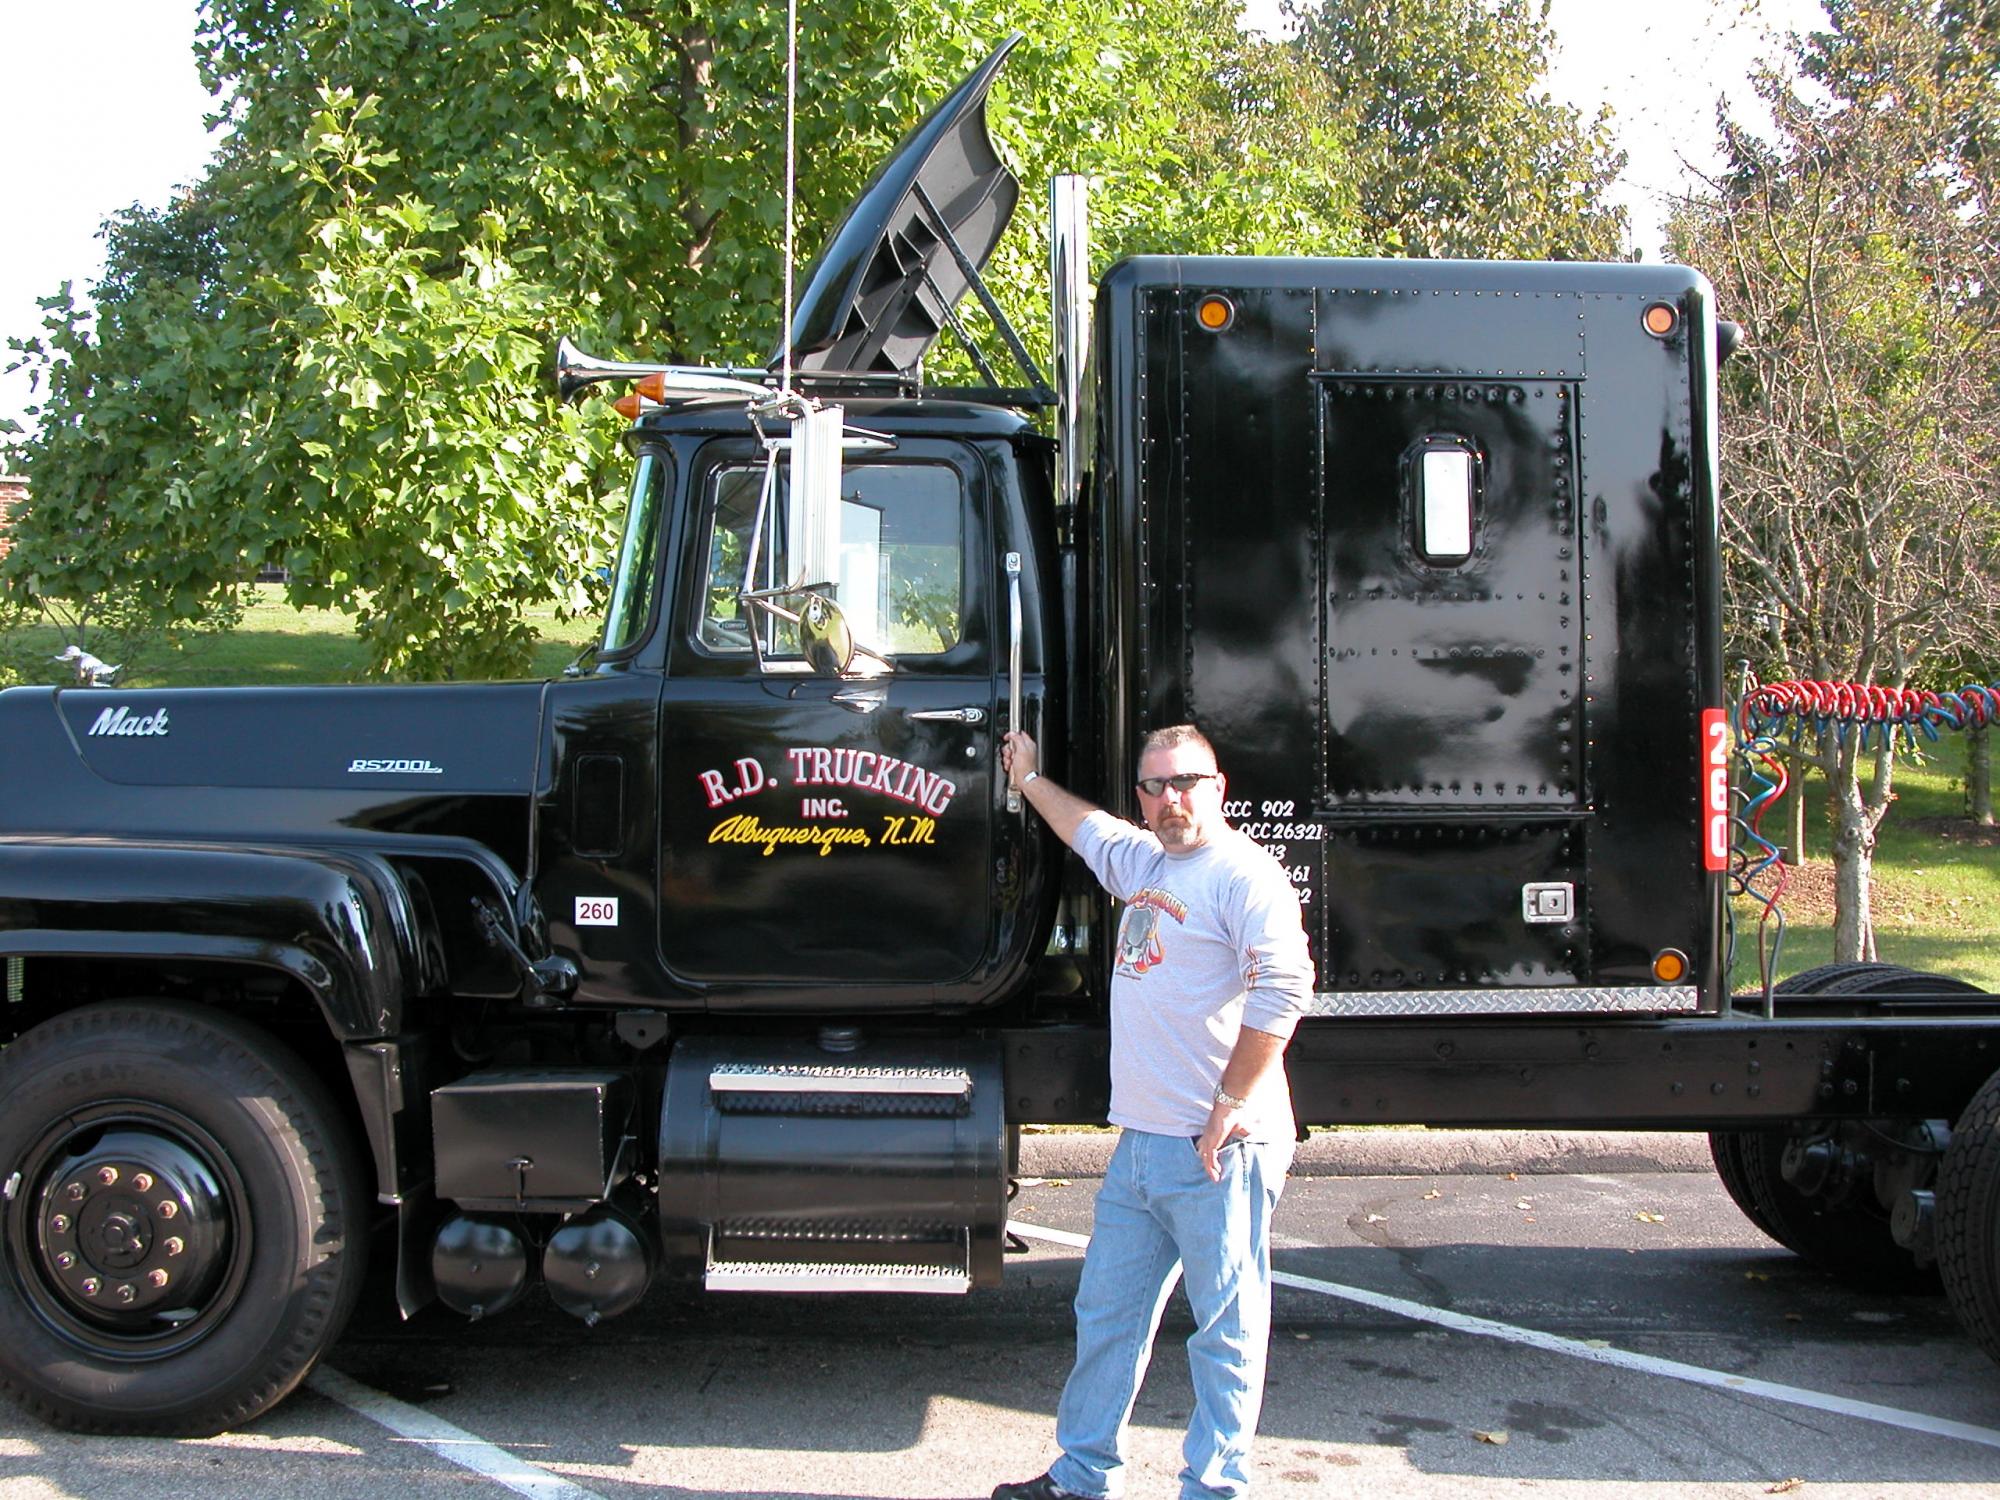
{"points": [[1139, 945]]}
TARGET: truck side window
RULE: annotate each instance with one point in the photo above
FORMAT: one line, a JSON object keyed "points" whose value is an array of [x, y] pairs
{"points": [[901, 571], [638, 557], [1446, 475]]}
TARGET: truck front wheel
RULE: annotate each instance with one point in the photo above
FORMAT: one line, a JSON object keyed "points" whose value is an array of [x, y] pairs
{"points": [[183, 1224]]}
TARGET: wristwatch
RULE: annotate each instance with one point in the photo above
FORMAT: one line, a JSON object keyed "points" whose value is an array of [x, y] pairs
{"points": [[1228, 1101], [1031, 776]]}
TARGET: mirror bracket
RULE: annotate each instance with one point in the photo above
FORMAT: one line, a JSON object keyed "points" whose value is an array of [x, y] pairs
{"points": [[812, 504]]}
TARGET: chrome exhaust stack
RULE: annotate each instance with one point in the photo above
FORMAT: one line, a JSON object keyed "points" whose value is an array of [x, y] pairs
{"points": [[1069, 296]]}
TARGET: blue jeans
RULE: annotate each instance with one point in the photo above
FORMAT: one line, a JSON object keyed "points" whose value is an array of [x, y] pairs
{"points": [[1158, 1213]]}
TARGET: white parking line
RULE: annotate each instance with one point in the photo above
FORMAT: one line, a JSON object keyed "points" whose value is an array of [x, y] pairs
{"points": [[445, 1440], [1646, 1364]]}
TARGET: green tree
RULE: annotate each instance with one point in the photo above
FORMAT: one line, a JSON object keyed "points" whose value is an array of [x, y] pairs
{"points": [[113, 543], [1859, 420], [1459, 148], [325, 354]]}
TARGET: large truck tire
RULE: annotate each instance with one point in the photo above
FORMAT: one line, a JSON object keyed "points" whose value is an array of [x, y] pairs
{"points": [[1968, 1218], [185, 1225], [1867, 978], [1725, 1147], [1834, 977], [1849, 1240]]}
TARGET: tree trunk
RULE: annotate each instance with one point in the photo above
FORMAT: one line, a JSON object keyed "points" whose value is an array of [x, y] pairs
{"points": [[1979, 775], [1795, 819], [1853, 856]]}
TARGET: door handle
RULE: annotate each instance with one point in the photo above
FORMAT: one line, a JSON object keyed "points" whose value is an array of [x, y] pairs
{"points": [[859, 700], [967, 715]]}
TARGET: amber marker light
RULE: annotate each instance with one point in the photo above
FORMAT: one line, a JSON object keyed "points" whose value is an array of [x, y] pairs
{"points": [[1660, 319], [629, 406], [1215, 313], [653, 387], [1670, 966]]}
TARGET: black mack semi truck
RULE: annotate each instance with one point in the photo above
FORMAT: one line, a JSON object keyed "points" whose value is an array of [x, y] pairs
{"points": [[726, 959]]}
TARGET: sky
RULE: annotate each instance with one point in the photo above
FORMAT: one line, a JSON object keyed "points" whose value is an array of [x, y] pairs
{"points": [[103, 109]]}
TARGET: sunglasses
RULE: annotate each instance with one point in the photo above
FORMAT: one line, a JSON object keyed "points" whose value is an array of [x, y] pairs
{"points": [[1186, 781]]}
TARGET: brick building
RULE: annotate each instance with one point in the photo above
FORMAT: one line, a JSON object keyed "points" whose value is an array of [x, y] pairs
{"points": [[13, 491]]}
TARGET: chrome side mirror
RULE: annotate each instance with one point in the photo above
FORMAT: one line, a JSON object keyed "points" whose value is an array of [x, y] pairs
{"points": [[825, 640]]}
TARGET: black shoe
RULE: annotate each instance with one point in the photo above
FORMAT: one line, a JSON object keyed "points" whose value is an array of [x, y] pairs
{"points": [[1041, 1487]]}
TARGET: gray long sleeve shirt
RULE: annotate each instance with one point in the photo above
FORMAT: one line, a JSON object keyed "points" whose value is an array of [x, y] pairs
{"points": [[1209, 941]]}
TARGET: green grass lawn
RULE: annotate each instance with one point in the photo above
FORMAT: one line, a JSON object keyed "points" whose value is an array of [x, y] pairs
{"points": [[279, 645], [1936, 896]]}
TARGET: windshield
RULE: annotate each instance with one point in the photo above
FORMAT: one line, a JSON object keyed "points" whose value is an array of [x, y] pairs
{"points": [[638, 557]]}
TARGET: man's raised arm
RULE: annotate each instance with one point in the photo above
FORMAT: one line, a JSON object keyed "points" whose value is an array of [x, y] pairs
{"points": [[1060, 808]]}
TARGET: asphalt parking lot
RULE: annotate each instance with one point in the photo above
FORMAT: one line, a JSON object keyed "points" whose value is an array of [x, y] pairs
{"points": [[1452, 1331]]}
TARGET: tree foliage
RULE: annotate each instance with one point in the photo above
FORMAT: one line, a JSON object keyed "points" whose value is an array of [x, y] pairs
{"points": [[327, 353], [1856, 247], [1459, 148]]}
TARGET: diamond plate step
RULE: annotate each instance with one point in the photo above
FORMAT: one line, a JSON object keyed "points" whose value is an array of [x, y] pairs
{"points": [[750, 1276], [795, 1078]]}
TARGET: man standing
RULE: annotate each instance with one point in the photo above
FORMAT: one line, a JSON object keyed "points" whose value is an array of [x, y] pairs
{"points": [[1211, 974]]}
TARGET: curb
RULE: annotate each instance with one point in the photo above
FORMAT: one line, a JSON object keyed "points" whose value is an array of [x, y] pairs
{"points": [[1418, 1153]]}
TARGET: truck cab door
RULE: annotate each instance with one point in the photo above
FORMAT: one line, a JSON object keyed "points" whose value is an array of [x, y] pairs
{"points": [[833, 831]]}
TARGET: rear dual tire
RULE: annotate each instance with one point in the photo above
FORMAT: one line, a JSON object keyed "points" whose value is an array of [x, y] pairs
{"points": [[1850, 1239], [1968, 1218]]}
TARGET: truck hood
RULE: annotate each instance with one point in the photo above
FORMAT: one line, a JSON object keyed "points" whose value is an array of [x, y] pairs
{"points": [[460, 738], [882, 289]]}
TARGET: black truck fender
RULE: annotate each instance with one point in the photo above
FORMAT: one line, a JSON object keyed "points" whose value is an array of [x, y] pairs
{"points": [[342, 922]]}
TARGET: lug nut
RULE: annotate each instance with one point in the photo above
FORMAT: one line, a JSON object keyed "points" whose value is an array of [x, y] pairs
{"points": [[157, 1277], [64, 1261], [59, 1224], [142, 1182], [107, 1175], [168, 1208], [176, 1245], [76, 1191], [126, 1292], [90, 1286]]}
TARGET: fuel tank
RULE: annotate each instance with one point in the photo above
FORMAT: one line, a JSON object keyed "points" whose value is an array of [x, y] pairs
{"points": [[847, 1166]]}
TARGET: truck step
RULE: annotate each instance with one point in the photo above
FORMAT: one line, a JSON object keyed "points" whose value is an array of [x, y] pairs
{"points": [[754, 1276], [806, 1078]]}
